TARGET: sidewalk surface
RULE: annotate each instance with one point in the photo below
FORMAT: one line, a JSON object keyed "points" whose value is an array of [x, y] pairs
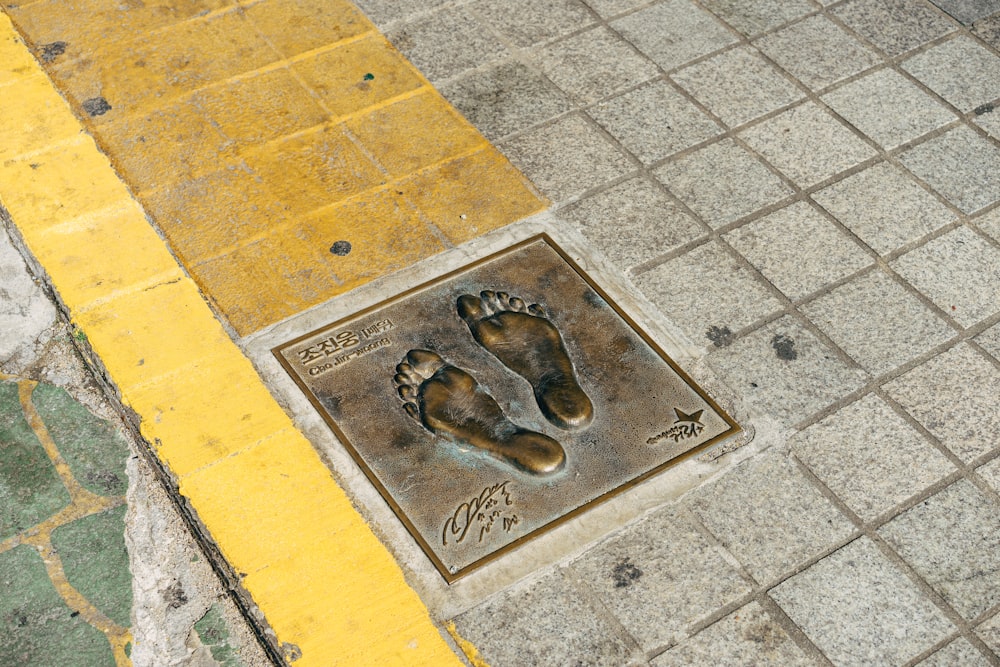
{"points": [[806, 194]]}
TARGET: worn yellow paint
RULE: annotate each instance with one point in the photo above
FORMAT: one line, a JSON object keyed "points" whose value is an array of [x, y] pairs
{"points": [[48, 121], [468, 648]]}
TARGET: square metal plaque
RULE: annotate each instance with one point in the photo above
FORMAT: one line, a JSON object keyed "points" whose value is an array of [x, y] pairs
{"points": [[491, 404]]}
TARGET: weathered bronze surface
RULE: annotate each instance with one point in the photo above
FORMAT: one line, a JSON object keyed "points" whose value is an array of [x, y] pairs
{"points": [[492, 403]]}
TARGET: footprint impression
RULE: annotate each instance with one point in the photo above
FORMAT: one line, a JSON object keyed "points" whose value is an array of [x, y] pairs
{"points": [[526, 342], [449, 402]]}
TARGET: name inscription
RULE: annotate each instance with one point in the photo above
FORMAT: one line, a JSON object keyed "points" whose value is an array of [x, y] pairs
{"points": [[492, 508]]}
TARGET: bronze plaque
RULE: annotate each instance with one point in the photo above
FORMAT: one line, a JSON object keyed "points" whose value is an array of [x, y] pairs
{"points": [[493, 403]]}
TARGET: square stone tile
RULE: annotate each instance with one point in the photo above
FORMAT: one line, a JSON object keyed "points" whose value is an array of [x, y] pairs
{"points": [[968, 11], [528, 22], [785, 372], [989, 223], [954, 396], [885, 207], [989, 30], [748, 636], [876, 321], [960, 70], [817, 51], [594, 64], [446, 43], [991, 473], [566, 158], [989, 632], [952, 540], [674, 32], [722, 182], [708, 294], [961, 165], [633, 222], [738, 85], [870, 456], [752, 17], [659, 576], [887, 107], [505, 98], [895, 26], [798, 249], [861, 610], [807, 144], [769, 516], [959, 271], [608, 8], [989, 121], [958, 652], [990, 340], [542, 623], [654, 121]]}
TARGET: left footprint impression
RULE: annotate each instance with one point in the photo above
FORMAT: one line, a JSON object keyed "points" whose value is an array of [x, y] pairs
{"points": [[449, 402]]}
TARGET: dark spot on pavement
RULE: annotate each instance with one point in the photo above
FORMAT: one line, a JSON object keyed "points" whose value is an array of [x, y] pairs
{"points": [[52, 51], [983, 108], [341, 248], [784, 347], [720, 336], [369, 76], [96, 106], [174, 596], [625, 573], [74, 614]]}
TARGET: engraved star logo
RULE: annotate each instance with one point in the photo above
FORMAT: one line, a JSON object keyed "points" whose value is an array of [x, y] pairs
{"points": [[694, 417]]}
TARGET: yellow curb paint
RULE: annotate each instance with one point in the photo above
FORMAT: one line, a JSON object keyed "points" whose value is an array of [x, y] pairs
{"points": [[470, 651], [330, 590], [48, 121]]}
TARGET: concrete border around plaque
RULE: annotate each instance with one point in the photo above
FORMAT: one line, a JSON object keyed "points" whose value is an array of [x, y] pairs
{"points": [[504, 396]]}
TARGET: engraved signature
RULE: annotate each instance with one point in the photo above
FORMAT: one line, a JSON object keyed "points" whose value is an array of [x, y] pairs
{"points": [[483, 512], [684, 427]]}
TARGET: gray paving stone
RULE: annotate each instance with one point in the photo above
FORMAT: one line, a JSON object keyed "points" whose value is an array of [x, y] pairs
{"points": [[953, 396], [817, 51], [544, 623], [722, 182], [807, 144], [991, 473], [959, 272], [633, 222], [708, 294], [895, 26], [885, 207], [887, 107], [960, 70], [738, 85], [505, 98], [859, 609], [968, 11], [654, 121], [989, 30], [990, 122], [958, 652], [952, 540], [528, 22], [384, 12], [446, 43], [990, 223], [961, 165], [769, 516], [783, 371], [659, 576], [798, 249], [607, 8], [748, 636], [870, 456], [876, 321], [990, 340], [752, 17], [989, 632], [566, 158], [594, 64], [674, 32]]}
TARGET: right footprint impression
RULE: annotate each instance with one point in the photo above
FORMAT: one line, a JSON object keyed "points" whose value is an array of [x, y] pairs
{"points": [[448, 401], [526, 342]]}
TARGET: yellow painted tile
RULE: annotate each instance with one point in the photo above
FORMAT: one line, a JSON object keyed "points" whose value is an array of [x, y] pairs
{"points": [[375, 618], [414, 133], [237, 290], [76, 255], [314, 168], [297, 26], [15, 58], [275, 498], [205, 216], [206, 411], [61, 183], [357, 75], [34, 116], [385, 232], [145, 334], [261, 107], [161, 147], [472, 195]]}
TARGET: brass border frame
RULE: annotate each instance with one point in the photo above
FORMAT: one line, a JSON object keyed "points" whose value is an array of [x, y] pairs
{"points": [[451, 577]]}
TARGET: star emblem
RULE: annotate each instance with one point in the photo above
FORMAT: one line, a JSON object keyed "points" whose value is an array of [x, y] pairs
{"points": [[694, 417]]}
